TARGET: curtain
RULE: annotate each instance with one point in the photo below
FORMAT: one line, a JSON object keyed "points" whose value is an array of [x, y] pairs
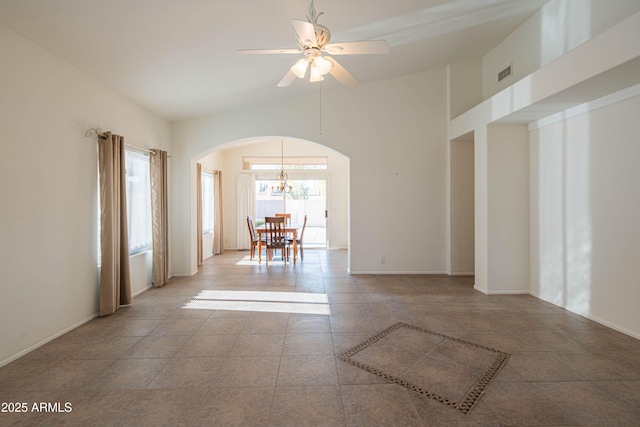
{"points": [[199, 210], [115, 281], [246, 206], [217, 213], [159, 217]]}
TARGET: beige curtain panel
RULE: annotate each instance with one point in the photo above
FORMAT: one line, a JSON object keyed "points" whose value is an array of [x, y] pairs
{"points": [[115, 282], [217, 213], [159, 217]]}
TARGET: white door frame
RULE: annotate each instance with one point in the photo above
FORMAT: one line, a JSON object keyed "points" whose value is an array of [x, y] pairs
{"points": [[300, 175]]}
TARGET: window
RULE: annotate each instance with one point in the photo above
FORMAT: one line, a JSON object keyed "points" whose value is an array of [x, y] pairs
{"points": [[207, 202], [276, 163], [138, 201]]}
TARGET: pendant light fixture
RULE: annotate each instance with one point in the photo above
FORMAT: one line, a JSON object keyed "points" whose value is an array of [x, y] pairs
{"points": [[284, 186]]}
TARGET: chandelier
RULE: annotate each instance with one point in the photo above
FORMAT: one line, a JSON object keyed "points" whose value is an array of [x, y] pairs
{"points": [[281, 176]]}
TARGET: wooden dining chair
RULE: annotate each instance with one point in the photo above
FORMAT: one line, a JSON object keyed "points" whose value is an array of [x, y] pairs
{"points": [[276, 237], [299, 239], [253, 235], [287, 217]]}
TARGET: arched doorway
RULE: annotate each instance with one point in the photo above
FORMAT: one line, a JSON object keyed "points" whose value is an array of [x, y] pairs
{"points": [[248, 157]]}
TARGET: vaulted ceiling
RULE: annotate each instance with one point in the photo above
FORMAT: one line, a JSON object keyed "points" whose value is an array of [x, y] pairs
{"points": [[178, 58]]}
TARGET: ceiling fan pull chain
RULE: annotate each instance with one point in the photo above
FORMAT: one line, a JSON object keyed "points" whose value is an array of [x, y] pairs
{"points": [[320, 108]]}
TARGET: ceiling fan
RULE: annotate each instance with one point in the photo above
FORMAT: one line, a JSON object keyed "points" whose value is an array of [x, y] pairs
{"points": [[313, 42]]}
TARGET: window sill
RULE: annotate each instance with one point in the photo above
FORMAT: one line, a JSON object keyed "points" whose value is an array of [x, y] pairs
{"points": [[140, 252]]}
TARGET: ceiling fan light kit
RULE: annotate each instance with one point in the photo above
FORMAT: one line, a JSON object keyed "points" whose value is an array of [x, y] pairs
{"points": [[313, 40]]}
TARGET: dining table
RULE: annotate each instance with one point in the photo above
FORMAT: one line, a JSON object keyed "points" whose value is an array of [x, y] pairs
{"points": [[289, 230]]}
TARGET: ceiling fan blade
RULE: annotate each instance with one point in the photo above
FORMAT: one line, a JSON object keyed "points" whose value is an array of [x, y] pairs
{"points": [[306, 32], [287, 79], [341, 74], [267, 51], [361, 47]]}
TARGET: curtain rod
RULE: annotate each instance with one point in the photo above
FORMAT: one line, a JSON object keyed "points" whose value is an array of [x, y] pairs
{"points": [[99, 134]]}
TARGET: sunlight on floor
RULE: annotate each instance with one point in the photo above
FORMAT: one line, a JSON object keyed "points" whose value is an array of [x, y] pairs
{"points": [[277, 260], [264, 296], [247, 260], [275, 302]]}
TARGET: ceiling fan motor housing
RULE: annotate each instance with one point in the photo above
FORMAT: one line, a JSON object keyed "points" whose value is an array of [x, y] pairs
{"points": [[323, 35]]}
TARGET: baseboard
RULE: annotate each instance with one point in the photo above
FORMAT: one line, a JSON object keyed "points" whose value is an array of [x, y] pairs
{"points": [[470, 273], [610, 325], [593, 318], [390, 273], [141, 291], [486, 292], [60, 333], [184, 275], [596, 319], [46, 340]]}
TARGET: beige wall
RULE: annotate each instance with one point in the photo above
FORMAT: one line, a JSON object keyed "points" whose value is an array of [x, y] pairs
{"points": [[585, 206], [581, 249], [561, 25], [465, 86], [394, 134], [508, 208], [462, 208], [48, 182]]}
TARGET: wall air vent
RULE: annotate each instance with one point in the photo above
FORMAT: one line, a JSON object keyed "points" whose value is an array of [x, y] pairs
{"points": [[505, 73]]}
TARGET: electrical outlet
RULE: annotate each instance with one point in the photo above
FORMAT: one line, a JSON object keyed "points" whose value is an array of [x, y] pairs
{"points": [[560, 287], [382, 260]]}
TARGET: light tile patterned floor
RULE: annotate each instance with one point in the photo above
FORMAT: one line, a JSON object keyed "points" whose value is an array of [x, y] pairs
{"points": [[159, 363]]}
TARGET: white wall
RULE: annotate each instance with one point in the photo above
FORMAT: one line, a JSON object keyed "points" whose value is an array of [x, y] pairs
{"points": [[462, 206], [581, 179], [558, 27], [394, 134], [465, 86], [48, 184], [508, 212], [585, 206], [213, 161]]}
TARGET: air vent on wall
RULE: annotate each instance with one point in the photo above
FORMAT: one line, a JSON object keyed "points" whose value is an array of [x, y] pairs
{"points": [[505, 73]]}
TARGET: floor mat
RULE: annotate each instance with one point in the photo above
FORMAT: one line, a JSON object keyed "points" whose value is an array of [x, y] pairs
{"points": [[452, 371]]}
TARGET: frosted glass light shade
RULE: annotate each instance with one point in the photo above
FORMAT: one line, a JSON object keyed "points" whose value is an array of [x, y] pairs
{"points": [[315, 76], [300, 68], [323, 65]]}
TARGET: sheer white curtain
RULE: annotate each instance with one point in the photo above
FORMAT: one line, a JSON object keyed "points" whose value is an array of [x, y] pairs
{"points": [[199, 210], [207, 201], [246, 206], [217, 213], [138, 200]]}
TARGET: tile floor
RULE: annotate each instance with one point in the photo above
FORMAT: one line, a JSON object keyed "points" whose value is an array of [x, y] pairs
{"points": [[264, 354]]}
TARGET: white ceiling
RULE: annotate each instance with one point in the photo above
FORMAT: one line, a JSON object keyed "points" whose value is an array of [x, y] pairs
{"points": [[178, 58]]}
